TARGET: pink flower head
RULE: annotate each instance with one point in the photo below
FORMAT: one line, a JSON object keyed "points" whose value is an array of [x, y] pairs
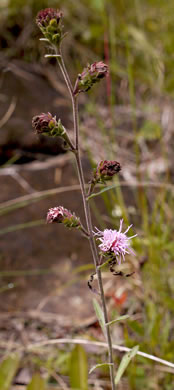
{"points": [[48, 125], [46, 15], [90, 75], [44, 123], [56, 214], [115, 242], [49, 20], [97, 69], [61, 215]]}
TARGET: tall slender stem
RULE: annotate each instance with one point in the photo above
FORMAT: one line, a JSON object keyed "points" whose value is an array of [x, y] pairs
{"points": [[88, 213]]}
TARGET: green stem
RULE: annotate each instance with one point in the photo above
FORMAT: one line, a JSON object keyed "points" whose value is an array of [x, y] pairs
{"points": [[88, 213]]}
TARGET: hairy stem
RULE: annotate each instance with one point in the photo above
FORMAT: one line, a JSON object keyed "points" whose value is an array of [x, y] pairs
{"points": [[88, 213]]}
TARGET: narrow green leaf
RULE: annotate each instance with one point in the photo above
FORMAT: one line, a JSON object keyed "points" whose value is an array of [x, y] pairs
{"points": [[103, 190], [20, 226], [104, 264], [100, 365], [121, 318], [99, 314], [37, 383], [124, 363], [78, 369], [8, 370]]}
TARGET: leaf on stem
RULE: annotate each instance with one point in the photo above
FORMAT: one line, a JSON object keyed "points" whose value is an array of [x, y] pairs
{"points": [[121, 318], [44, 39], [52, 55], [100, 365], [103, 190], [105, 263], [99, 314], [124, 363]]}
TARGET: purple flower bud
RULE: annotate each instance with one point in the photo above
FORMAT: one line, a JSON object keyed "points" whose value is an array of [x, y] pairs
{"points": [[106, 170], [61, 215], [46, 15], [46, 124], [49, 20], [90, 75]]}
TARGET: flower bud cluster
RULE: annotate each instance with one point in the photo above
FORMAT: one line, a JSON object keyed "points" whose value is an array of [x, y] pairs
{"points": [[48, 125], [106, 170], [61, 215], [49, 20], [90, 75]]}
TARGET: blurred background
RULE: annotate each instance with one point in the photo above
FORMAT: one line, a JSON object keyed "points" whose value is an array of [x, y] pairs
{"points": [[44, 269]]}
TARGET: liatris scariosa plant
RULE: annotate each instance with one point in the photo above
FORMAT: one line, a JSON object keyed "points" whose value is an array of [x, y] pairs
{"points": [[114, 245]]}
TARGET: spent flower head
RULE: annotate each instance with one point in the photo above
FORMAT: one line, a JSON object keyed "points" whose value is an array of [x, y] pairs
{"points": [[90, 75], [48, 125], [49, 20], [114, 242], [61, 215], [105, 170]]}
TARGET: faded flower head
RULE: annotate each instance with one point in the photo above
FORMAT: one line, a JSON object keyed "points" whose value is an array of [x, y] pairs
{"points": [[106, 170], [61, 215], [46, 15], [114, 242], [46, 124], [49, 20], [90, 75]]}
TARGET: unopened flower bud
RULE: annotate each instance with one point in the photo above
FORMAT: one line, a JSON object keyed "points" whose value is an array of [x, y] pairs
{"points": [[90, 75], [48, 125], [61, 215], [49, 20], [106, 170]]}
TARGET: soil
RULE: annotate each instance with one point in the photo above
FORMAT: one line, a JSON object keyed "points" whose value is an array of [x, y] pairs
{"points": [[49, 250]]}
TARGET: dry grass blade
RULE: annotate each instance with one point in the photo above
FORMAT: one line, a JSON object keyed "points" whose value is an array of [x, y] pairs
{"points": [[99, 344], [9, 113]]}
